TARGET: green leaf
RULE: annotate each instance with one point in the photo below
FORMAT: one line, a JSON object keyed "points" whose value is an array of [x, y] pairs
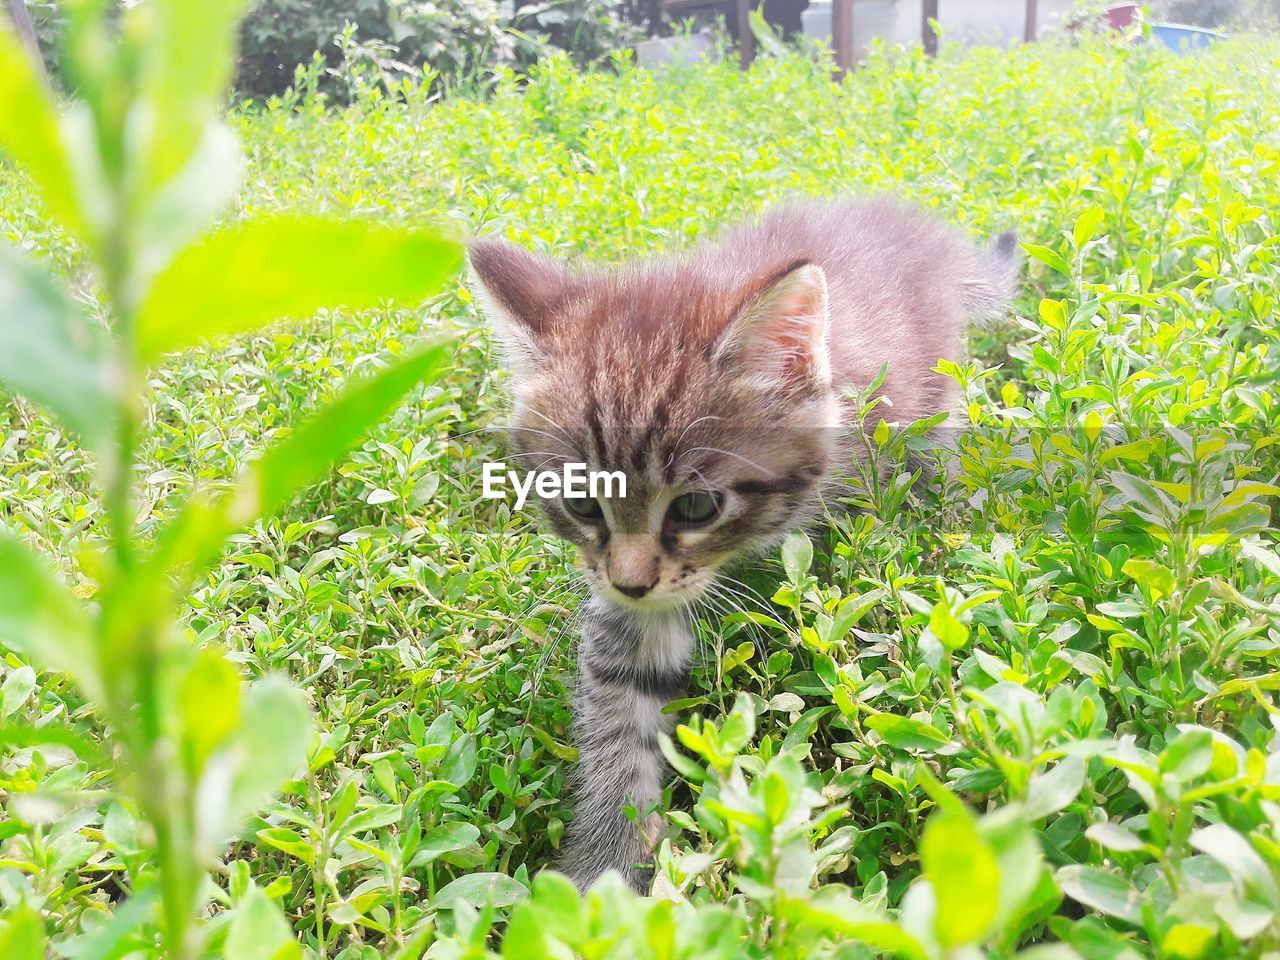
{"points": [[443, 839], [415, 948], [1244, 863], [18, 686], [1240, 521], [116, 936], [1188, 941], [525, 939], [850, 611], [1155, 577], [268, 747], [907, 733], [1051, 791], [947, 627], [962, 869], [560, 751], [209, 706], [559, 906], [1087, 225], [42, 619], [1023, 879], [1189, 755], [797, 555], [265, 270], [289, 841], [22, 935], [833, 911], [48, 352], [459, 763], [29, 131], [1049, 258], [372, 818], [479, 889], [187, 204], [259, 931], [777, 797], [1112, 836], [1108, 893]]}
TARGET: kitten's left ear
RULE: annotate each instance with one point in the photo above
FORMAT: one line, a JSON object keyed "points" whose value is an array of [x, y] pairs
{"points": [[521, 291], [780, 333]]}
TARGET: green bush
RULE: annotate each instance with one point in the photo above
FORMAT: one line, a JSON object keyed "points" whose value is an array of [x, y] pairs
{"points": [[1028, 708], [460, 40]]}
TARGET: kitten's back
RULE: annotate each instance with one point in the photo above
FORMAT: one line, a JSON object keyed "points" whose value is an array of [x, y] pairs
{"points": [[902, 287]]}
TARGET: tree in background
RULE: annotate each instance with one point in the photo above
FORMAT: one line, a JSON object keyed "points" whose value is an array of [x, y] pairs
{"points": [[462, 40]]}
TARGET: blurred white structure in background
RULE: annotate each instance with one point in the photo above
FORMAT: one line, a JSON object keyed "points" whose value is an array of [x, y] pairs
{"points": [[998, 22]]}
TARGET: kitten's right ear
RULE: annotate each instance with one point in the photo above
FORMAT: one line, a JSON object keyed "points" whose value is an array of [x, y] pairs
{"points": [[520, 291]]}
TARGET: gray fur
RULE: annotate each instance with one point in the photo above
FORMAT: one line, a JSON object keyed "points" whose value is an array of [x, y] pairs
{"points": [[629, 666]]}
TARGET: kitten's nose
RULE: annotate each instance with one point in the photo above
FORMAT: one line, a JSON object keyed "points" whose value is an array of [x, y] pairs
{"points": [[633, 565]]}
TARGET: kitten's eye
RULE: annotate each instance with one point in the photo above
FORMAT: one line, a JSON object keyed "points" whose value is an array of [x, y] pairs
{"points": [[584, 508], [695, 509]]}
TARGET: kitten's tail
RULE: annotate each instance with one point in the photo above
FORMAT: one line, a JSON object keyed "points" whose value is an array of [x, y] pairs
{"points": [[988, 293]]}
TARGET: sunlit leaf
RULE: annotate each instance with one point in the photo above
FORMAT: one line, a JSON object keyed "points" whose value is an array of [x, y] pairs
{"points": [[22, 935], [247, 276], [947, 627], [1112, 836], [1051, 791], [797, 556], [963, 871], [184, 207], [209, 705], [837, 914], [259, 931], [29, 131], [1243, 862], [18, 686]]}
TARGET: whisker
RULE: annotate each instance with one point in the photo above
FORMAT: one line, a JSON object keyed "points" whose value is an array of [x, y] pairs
{"points": [[680, 439], [562, 435], [543, 603], [561, 623], [740, 603], [543, 433], [730, 453]]}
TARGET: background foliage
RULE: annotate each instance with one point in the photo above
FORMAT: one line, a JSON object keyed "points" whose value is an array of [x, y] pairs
{"points": [[1032, 705], [461, 41]]}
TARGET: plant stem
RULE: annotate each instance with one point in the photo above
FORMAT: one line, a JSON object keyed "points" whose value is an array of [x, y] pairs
{"points": [[163, 794]]}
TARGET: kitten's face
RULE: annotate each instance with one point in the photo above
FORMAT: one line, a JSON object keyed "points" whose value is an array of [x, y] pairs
{"points": [[712, 395]]}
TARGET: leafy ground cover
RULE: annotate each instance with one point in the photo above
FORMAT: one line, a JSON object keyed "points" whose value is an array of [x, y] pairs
{"points": [[1032, 704]]}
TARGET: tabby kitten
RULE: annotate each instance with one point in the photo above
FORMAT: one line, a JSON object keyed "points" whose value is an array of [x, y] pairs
{"points": [[714, 379]]}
